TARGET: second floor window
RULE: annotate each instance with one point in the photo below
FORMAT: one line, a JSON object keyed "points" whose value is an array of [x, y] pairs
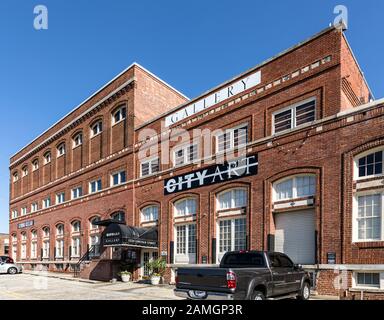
{"points": [[150, 166], [369, 218], [60, 198], [119, 178], [295, 187], [46, 203], [14, 214], [231, 199], [15, 177], [185, 154], [95, 186], [24, 171], [294, 116], [150, 213], [97, 128], [60, 230], [232, 139], [77, 192], [47, 158], [185, 207], [35, 165], [23, 211], [78, 140], [119, 115], [61, 150], [34, 207]]}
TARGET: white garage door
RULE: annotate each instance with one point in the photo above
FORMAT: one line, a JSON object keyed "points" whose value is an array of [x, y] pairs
{"points": [[295, 235]]}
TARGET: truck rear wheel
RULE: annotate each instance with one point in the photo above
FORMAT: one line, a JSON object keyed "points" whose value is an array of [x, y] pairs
{"points": [[258, 295]]}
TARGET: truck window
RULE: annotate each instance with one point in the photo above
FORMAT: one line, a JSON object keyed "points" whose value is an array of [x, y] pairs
{"points": [[285, 262], [251, 259]]}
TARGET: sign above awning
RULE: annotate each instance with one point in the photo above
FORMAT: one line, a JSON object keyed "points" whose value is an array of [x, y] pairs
{"points": [[117, 234]]}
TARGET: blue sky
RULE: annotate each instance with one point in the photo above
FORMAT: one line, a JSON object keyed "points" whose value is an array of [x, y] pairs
{"points": [[193, 45]]}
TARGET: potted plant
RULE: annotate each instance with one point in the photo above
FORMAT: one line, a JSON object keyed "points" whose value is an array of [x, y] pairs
{"points": [[125, 276], [156, 270]]}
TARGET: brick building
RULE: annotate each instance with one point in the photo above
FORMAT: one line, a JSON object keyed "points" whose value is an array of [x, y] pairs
{"points": [[4, 244], [286, 156]]}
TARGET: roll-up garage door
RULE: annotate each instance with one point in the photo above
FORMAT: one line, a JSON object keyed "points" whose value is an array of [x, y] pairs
{"points": [[295, 235]]}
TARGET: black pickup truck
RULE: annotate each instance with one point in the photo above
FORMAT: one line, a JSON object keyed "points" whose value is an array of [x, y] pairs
{"points": [[245, 275]]}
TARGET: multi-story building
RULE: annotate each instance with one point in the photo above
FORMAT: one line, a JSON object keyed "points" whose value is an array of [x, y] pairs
{"points": [[4, 244], [287, 156]]}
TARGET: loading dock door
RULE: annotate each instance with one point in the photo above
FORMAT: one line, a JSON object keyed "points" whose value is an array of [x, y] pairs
{"points": [[295, 235]]}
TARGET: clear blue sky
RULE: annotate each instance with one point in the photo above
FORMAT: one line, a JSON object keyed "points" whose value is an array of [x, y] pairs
{"points": [[193, 45]]}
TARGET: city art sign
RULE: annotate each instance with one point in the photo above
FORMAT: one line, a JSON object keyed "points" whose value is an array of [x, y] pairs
{"points": [[226, 171], [25, 224], [244, 84]]}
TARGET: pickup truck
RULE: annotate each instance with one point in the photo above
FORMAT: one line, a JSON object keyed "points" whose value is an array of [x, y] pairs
{"points": [[245, 275]]}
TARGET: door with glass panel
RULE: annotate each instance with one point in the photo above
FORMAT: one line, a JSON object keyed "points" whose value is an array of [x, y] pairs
{"points": [[146, 256], [185, 243], [232, 236]]}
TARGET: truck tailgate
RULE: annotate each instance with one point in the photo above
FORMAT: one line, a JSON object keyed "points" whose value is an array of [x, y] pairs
{"points": [[202, 279]]}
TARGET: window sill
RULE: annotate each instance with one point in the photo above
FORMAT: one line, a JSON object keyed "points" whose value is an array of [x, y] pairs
{"points": [[79, 145], [366, 289], [95, 135], [367, 244], [117, 122]]}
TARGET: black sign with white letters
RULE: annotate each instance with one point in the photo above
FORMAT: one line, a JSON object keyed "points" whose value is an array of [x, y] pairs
{"points": [[227, 171]]}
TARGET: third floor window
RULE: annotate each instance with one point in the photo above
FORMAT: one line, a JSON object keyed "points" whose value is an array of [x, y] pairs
{"points": [[97, 128], [232, 139], [119, 115], [95, 186], [60, 198], [119, 178]]}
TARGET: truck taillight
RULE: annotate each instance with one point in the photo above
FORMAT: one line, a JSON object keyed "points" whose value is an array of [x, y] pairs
{"points": [[231, 280]]}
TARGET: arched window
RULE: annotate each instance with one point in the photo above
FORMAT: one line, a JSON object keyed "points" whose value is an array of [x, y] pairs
{"points": [[61, 149], [33, 234], [295, 187], [232, 199], [185, 207], [119, 115], [96, 128], [76, 226], [35, 165], [33, 244], [15, 176], [23, 236], [94, 237], [47, 157], [24, 171], [119, 216], [77, 140], [23, 245], [92, 221], [369, 164], [14, 238], [59, 230], [150, 213], [46, 232]]}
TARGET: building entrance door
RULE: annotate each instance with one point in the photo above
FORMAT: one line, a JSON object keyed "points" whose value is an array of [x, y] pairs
{"points": [[147, 255]]}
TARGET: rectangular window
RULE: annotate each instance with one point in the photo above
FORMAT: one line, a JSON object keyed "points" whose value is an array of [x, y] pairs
{"points": [[77, 192], [14, 214], [150, 213], [232, 139], [119, 178], [185, 154], [294, 116], [46, 249], [75, 247], [23, 251], [150, 167], [46, 203], [23, 211], [365, 279], [60, 198], [59, 248], [34, 207], [33, 250], [186, 239], [95, 186], [232, 235], [371, 164], [369, 217]]}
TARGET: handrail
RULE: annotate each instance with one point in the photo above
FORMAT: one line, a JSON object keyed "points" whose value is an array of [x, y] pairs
{"points": [[85, 258]]}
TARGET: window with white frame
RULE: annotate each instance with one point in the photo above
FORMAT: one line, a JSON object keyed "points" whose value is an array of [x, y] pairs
{"points": [[185, 207], [119, 115], [35, 165], [59, 248], [61, 149], [77, 140], [46, 249], [60, 197], [24, 171], [368, 224], [294, 116], [23, 250], [94, 240], [59, 230], [367, 279], [14, 238], [150, 213], [370, 164], [76, 226], [185, 236], [232, 235], [46, 232], [14, 251], [14, 214], [149, 167], [46, 202], [34, 207], [77, 192], [23, 211], [75, 248], [232, 199], [96, 128], [34, 250], [295, 187], [23, 236], [15, 176], [93, 220], [95, 186], [231, 139], [119, 216], [118, 178], [185, 154], [47, 158]]}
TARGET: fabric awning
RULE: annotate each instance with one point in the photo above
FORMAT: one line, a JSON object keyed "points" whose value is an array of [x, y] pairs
{"points": [[117, 234]]}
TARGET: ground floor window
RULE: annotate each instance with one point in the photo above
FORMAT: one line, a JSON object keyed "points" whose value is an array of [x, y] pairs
{"points": [[34, 250], [185, 236], [94, 240], [14, 251], [368, 223], [59, 248], [46, 249], [23, 250], [75, 250], [232, 235], [59, 266], [367, 279]]}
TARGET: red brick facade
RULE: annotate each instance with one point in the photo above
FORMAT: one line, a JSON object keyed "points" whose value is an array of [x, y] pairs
{"points": [[346, 125]]}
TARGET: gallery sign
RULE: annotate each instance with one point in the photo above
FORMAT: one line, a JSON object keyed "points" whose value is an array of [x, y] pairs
{"points": [[235, 88], [227, 171], [25, 224]]}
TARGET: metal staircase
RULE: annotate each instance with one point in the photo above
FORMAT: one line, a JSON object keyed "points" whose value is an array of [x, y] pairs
{"points": [[87, 257]]}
